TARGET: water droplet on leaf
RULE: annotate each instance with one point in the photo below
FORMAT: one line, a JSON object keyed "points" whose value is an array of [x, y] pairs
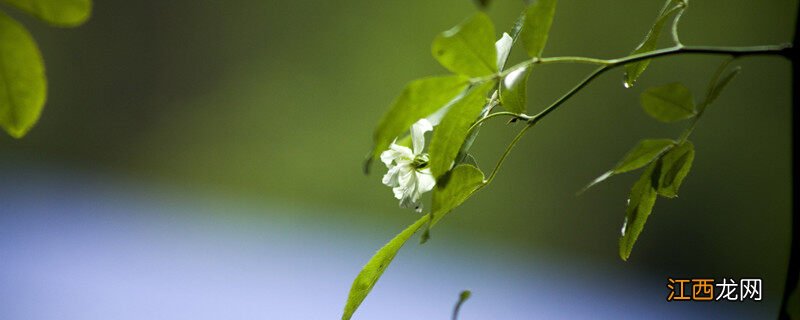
{"points": [[625, 83]]}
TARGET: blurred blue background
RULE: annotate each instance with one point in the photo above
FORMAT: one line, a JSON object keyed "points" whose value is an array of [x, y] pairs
{"points": [[201, 160]]}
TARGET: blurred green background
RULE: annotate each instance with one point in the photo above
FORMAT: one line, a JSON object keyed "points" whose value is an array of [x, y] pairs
{"points": [[276, 101]]}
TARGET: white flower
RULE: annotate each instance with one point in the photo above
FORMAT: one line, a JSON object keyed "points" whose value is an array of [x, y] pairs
{"points": [[408, 174]]}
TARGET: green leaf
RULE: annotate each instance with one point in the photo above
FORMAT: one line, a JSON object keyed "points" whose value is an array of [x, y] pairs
{"points": [[375, 267], [23, 85], [634, 70], [468, 48], [514, 90], [470, 160], [470, 139], [419, 99], [538, 19], [642, 154], [713, 94], [675, 166], [464, 181], [62, 13], [454, 128], [640, 204], [669, 103]]}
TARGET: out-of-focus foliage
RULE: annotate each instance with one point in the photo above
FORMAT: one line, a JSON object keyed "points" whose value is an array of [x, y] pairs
{"points": [[63, 13], [22, 81], [23, 84]]}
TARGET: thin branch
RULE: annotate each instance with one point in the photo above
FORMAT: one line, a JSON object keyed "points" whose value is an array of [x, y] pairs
{"points": [[784, 50], [703, 106], [781, 50], [505, 155], [570, 60], [520, 116], [735, 52]]}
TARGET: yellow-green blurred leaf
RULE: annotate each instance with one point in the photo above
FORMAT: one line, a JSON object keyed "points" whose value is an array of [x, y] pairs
{"points": [[23, 86], [63, 13]]}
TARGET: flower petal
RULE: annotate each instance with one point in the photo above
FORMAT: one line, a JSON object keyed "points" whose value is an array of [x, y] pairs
{"points": [[503, 47], [406, 178], [425, 181], [407, 192], [398, 193], [418, 134], [408, 200], [408, 184], [398, 154], [391, 178]]}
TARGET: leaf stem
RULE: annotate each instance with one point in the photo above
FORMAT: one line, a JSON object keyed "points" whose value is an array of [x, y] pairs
{"points": [[505, 155], [703, 106], [520, 116], [461, 299], [682, 6]]}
